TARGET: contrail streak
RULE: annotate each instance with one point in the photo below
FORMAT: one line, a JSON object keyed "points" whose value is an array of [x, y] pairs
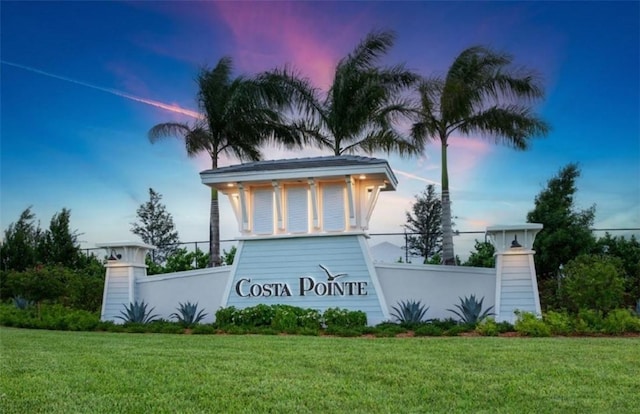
{"points": [[172, 108], [415, 177]]}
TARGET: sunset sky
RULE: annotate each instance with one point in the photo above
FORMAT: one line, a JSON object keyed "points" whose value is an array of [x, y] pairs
{"points": [[82, 83]]}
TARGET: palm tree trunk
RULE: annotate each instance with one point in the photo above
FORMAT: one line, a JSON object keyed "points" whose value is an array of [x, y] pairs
{"points": [[214, 222], [448, 255], [214, 230]]}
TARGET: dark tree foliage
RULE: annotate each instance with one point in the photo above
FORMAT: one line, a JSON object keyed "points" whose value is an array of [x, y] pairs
{"points": [[20, 244], [26, 245], [425, 220], [483, 256], [48, 266], [628, 251], [59, 245], [229, 256], [155, 226], [566, 233]]}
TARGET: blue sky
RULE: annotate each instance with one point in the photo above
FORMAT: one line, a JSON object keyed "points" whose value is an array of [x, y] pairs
{"points": [[82, 83]]}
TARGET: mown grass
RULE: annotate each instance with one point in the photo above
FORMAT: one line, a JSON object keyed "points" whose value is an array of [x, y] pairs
{"points": [[94, 372]]}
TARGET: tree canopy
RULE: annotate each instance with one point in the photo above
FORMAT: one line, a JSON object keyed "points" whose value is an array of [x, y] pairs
{"points": [[424, 221], [482, 94], [358, 112], [238, 115], [155, 226]]}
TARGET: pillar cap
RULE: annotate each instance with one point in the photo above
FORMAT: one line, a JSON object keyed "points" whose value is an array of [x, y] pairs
{"points": [[130, 252], [510, 238]]}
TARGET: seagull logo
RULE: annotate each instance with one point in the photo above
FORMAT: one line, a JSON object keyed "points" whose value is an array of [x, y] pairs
{"points": [[331, 277]]}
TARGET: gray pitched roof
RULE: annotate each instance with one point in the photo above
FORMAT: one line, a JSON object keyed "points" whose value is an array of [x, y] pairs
{"points": [[297, 163], [300, 168]]}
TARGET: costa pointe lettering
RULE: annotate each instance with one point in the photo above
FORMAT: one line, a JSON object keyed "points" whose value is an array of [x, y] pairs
{"points": [[307, 286]]}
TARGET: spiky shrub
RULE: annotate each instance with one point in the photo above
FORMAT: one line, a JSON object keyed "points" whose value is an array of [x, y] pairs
{"points": [[21, 303], [137, 312], [470, 310], [188, 314], [409, 312]]}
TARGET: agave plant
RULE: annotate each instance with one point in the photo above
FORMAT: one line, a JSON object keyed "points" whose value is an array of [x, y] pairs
{"points": [[21, 303], [188, 314], [137, 312], [409, 311], [470, 310]]}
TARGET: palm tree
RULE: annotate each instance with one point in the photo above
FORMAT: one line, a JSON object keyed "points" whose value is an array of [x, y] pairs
{"points": [[361, 105], [238, 115], [481, 94]]}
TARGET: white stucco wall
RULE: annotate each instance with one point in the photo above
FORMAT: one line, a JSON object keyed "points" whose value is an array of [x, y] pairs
{"points": [[438, 287], [203, 286]]}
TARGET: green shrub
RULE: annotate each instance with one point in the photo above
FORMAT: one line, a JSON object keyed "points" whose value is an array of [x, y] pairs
{"points": [[529, 324], [259, 315], [428, 329], [188, 314], [74, 288], [409, 312], [235, 330], [620, 321], [226, 316], [589, 321], [445, 324], [204, 329], [470, 310], [388, 330], [164, 326], [285, 319], [346, 332], [344, 318], [559, 323], [291, 319], [505, 326], [51, 316], [137, 313], [309, 319], [594, 282], [488, 327], [458, 329], [309, 332]]}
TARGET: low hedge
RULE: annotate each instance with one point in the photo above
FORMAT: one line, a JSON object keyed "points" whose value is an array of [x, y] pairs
{"points": [[279, 319]]}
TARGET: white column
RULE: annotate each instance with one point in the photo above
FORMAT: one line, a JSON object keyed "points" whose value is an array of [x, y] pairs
{"points": [[314, 203], [516, 282], [125, 264]]}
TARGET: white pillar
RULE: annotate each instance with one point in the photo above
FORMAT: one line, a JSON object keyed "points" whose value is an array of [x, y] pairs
{"points": [[516, 282], [125, 262]]}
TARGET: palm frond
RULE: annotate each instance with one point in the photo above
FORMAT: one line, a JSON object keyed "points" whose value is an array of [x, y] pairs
{"points": [[167, 130], [374, 45], [511, 125]]}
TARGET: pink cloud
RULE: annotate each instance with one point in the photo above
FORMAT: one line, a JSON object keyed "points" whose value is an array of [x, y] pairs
{"points": [[464, 154], [273, 34]]}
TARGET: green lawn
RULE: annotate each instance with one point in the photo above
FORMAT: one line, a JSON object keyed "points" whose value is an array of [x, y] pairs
{"points": [[71, 372]]}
